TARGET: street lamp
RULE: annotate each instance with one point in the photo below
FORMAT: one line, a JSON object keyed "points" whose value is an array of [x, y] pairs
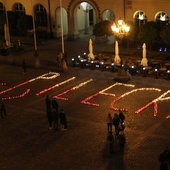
{"points": [[7, 37], [35, 39], [120, 29], [61, 23]]}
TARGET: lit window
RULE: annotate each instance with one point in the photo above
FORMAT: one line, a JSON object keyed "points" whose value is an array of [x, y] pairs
{"points": [[140, 18]]}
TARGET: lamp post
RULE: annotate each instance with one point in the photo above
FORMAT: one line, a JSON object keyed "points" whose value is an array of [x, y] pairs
{"points": [[61, 23], [49, 9], [8, 42], [35, 39], [120, 29], [37, 61]]}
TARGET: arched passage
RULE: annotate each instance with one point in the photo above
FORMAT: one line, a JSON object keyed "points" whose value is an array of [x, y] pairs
{"points": [[108, 15], [64, 25], [76, 10]]}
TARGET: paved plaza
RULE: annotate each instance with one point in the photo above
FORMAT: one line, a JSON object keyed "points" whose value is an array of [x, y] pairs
{"points": [[27, 143]]}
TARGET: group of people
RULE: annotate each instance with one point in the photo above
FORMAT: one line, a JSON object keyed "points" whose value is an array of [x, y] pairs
{"points": [[118, 122], [57, 120], [2, 109]]}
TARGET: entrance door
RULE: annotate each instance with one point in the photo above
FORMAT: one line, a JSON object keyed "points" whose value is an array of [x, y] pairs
{"points": [[91, 22]]}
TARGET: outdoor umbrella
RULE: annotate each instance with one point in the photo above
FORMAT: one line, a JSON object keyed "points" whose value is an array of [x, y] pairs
{"points": [[117, 58], [90, 55], [144, 61]]}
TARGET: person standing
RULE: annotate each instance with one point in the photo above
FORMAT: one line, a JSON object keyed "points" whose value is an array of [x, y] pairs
{"points": [[63, 120], [116, 122], [2, 109], [109, 123], [48, 111], [54, 104], [121, 116], [48, 103], [24, 66]]}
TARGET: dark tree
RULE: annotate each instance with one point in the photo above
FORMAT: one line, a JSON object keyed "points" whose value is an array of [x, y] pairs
{"points": [[165, 34], [25, 23], [103, 28], [148, 33]]}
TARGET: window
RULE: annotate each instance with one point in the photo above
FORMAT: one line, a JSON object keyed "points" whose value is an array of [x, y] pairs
{"points": [[140, 18], [19, 8], [162, 19], [40, 16]]}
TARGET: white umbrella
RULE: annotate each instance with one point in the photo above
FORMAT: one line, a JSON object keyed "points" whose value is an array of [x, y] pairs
{"points": [[117, 58], [144, 61], [90, 55], [6, 34]]}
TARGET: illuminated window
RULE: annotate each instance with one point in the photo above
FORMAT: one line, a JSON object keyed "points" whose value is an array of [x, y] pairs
{"points": [[140, 18], [40, 15], [162, 18]]}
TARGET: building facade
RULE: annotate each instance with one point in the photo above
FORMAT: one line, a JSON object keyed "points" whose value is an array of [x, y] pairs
{"points": [[71, 16]]}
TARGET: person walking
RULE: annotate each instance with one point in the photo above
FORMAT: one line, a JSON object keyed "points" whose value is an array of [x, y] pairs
{"points": [[109, 123], [2, 109], [54, 104], [111, 142], [63, 120]]}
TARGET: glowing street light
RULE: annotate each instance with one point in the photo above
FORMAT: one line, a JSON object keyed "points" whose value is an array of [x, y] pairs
{"points": [[121, 28]]}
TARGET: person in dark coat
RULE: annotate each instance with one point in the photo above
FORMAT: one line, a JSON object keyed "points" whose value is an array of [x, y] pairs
{"points": [[2, 109], [24, 66], [121, 116], [63, 120], [116, 122], [49, 111], [54, 104], [48, 103]]}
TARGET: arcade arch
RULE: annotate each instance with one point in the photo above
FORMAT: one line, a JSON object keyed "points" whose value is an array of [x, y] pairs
{"points": [[64, 18], [81, 16], [108, 15]]}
